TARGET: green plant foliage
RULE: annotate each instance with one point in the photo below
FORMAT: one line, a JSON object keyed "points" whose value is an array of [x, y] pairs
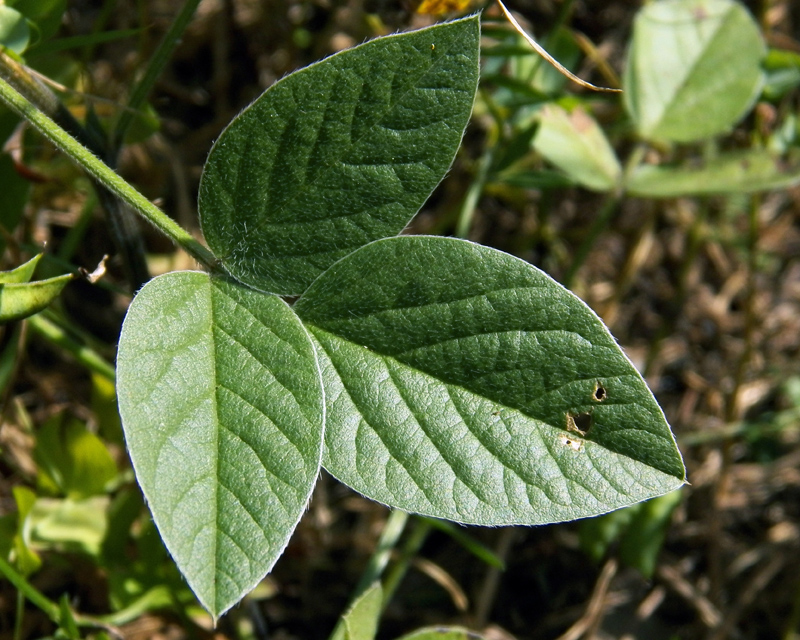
{"points": [[735, 172], [26, 559], [442, 633], [67, 525], [562, 46], [71, 460], [642, 542], [639, 529], [694, 68], [782, 70], [574, 142], [14, 30], [141, 575], [46, 15], [529, 179], [480, 551], [338, 154], [360, 622], [21, 300], [22, 273], [93, 39], [221, 403], [457, 379], [104, 407]]}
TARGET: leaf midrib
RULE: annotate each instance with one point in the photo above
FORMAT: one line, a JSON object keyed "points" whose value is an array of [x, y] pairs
{"points": [[681, 86]]}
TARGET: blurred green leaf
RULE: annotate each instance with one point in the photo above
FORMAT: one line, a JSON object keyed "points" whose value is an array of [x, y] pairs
{"points": [[72, 459], [125, 509], [642, 542], [76, 42], [9, 121], [70, 525], [161, 596], [360, 622], [505, 50], [104, 407], [27, 561], [58, 68], [575, 143], [15, 33], [534, 179], [515, 149], [21, 300], [8, 529], [639, 529], [45, 14], [146, 123], [694, 68], [22, 273], [782, 70], [734, 172], [525, 93], [598, 534], [145, 578], [443, 633], [338, 154]]}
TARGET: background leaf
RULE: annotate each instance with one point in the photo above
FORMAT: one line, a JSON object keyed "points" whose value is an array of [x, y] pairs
{"points": [[457, 379], [640, 530], [338, 154], [443, 633], [70, 525], [360, 622], [45, 14], [72, 461], [22, 273], [577, 145], [221, 403], [734, 172], [694, 68], [20, 300], [14, 30]]}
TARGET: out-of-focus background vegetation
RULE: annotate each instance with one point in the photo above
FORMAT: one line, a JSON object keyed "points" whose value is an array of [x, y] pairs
{"points": [[702, 291]]}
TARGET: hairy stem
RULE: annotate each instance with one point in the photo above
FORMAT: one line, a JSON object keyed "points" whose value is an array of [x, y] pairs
{"points": [[103, 174]]}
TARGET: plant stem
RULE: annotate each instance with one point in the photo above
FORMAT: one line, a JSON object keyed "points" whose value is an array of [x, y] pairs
{"points": [[410, 548], [473, 194], [20, 616], [50, 609], [160, 57], [392, 530], [83, 354], [121, 222], [103, 174]]}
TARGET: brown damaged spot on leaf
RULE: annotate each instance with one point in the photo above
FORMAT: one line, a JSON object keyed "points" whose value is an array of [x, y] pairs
{"points": [[581, 120], [579, 423], [599, 394]]}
